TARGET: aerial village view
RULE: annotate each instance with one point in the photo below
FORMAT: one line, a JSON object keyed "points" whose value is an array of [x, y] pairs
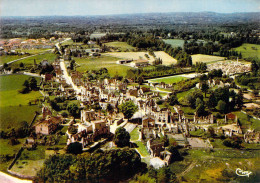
{"points": [[137, 91]]}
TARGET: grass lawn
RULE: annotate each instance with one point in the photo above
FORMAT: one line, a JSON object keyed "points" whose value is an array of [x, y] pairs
{"points": [[123, 46], [135, 134], [142, 149], [205, 58], [174, 42], [168, 80], [9, 58], [249, 50], [101, 62], [7, 148]]}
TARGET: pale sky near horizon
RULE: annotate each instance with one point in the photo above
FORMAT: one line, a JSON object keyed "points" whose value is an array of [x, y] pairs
{"points": [[105, 7]]}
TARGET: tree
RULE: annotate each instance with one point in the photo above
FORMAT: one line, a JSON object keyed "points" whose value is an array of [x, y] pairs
{"points": [[74, 148], [21, 64], [211, 131], [110, 109], [204, 88], [33, 83], [221, 106], [122, 137], [172, 100], [73, 109], [239, 99], [26, 84], [200, 110], [128, 109], [212, 102]]}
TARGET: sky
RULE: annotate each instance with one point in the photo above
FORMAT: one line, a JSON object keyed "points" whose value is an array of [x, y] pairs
{"points": [[106, 7]]}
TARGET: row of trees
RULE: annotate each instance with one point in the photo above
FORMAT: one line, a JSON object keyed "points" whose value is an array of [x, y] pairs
{"points": [[111, 165]]}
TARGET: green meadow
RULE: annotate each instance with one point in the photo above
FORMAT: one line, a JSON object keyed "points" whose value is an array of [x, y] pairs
{"points": [[123, 46], [93, 63], [249, 50], [14, 106], [174, 42], [168, 80]]}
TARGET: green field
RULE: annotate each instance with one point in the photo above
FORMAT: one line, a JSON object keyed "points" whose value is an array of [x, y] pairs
{"points": [[33, 51], [14, 106], [168, 80], [142, 149], [174, 42], [38, 58], [249, 50], [9, 58], [123, 46], [101, 62], [97, 35]]}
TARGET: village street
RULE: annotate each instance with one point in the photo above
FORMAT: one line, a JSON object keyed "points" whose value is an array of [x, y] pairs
{"points": [[67, 77]]}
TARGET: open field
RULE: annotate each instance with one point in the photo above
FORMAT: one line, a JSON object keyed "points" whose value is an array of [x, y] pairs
{"points": [[249, 50], [33, 51], [97, 35], [13, 105], [168, 80], [38, 58], [123, 46], [205, 58], [108, 62], [167, 59], [12, 116], [142, 149], [9, 58], [174, 42], [9, 95]]}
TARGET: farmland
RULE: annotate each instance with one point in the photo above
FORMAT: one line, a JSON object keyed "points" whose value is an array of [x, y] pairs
{"points": [[205, 58], [174, 42], [108, 62], [33, 51], [249, 50], [167, 59], [122, 46]]}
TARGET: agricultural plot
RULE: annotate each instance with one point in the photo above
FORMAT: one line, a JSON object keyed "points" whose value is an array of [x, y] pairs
{"points": [[249, 50], [122, 46], [33, 51], [205, 58], [174, 42], [167, 59], [109, 62]]}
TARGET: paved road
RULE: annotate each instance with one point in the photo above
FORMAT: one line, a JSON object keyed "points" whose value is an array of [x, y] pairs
{"points": [[5, 178], [67, 77]]}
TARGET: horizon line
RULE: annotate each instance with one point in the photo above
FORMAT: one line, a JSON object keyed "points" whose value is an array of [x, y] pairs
{"points": [[114, 14]]}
